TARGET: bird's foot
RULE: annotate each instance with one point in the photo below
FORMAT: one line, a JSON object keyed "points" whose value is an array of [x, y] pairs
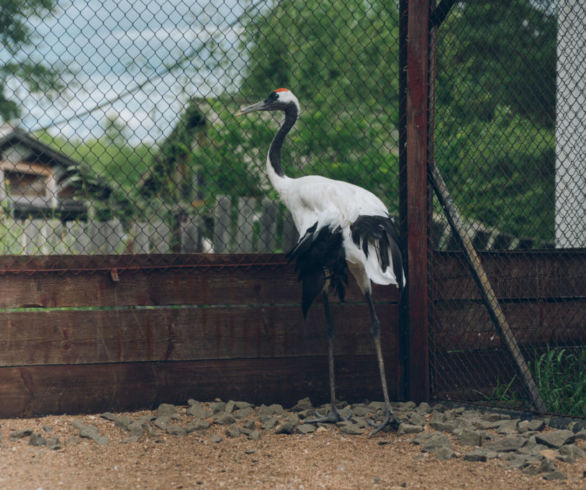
{"points": [[389, 420], [332, 417]]}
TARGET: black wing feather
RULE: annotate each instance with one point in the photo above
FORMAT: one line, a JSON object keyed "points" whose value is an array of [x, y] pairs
{"points": [[319, 252]]}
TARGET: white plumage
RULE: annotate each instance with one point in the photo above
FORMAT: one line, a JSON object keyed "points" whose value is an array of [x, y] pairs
{"points": [[342, 228]]}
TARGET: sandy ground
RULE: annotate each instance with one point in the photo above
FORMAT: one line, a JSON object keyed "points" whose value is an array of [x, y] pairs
{"points": [[326, 458]]}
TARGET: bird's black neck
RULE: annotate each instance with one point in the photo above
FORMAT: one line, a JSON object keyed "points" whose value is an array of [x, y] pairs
{"points": [[291, 114]]}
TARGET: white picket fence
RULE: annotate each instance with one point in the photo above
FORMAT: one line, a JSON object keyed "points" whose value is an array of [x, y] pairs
{"points": [[254, 226], [250, 225]]}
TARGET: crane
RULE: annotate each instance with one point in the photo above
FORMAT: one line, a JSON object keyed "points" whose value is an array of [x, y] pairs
{"points": [[342, 227]]}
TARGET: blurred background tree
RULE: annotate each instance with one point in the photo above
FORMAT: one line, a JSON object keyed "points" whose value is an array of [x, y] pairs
{"points": [[16, 35]]}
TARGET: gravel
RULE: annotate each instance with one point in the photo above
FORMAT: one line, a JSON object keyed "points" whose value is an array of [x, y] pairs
{"points": [[527, 445]]}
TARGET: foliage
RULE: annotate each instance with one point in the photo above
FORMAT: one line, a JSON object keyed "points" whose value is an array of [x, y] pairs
{"points": [[341, 60], [560, 375], [494, 135], [494, 138], [496, 177], [15, 36]]}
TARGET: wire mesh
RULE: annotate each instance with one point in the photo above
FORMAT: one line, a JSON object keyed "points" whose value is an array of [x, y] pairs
{"points": [[510, 137], [119, 132]]}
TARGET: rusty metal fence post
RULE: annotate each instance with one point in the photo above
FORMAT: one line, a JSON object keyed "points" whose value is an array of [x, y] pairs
{"points": [[415, 197]]}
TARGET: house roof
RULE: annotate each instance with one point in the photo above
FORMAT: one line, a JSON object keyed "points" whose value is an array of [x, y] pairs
{"points": [[66, 168], [11, 135]]}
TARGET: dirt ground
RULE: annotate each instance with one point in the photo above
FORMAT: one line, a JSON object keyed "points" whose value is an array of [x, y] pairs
{"points": [[326, 458]]}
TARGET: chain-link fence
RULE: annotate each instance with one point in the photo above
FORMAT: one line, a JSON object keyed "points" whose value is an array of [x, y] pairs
{"points": [[120, 134], [510, 140]]}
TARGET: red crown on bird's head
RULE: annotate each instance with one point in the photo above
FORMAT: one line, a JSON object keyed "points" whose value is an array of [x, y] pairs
{"points": [[282, 90]]}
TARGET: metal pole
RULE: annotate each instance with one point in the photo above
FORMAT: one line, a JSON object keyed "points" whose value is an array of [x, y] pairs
{"points": [[488, 295], [415, 196]]}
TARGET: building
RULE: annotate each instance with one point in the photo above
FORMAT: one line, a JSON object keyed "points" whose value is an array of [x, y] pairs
{"points": [[38, 181]]}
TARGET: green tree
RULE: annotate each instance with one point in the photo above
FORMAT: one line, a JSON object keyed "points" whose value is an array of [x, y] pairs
{"points": [[15, 36], [340, 57], [495, 113]]}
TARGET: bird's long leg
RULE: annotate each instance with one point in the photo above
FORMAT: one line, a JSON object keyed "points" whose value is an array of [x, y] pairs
{"points": [[333, 415], [389, 417]]}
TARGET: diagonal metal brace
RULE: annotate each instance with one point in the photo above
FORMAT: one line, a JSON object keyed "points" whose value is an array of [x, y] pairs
{"points": [[486, 290]]}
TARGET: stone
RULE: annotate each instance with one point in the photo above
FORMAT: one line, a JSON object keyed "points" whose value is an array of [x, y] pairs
{"points": [[196, 409], [21, 434], [301, 405], [378, 406], [580, 435], [218, 406], [249, 424], [176, 430], [547, 466], [469, 438], [506, 444], [448, 426], [166, 410], [243, 413], [305, 428], [229, 408], [254, 435], [554, 475], [37, 440], [345, 412], [54, 444], [216, 438], [269, 423], [495, 417], [423, 408], [161, 422], [350, 428], [444, 453], [90, 432], [479, 455], [233, 431], [198, 424], [415, 418], [242, 404], [405, 428], [224, 419], [535, 425], [287, 425], [435, 441], [570, 453], [555, 438], [508, 426], [360, 411], [523, 427]]}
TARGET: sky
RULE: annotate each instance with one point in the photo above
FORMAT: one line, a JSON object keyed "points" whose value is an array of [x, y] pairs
{"points": [[111, 47]]}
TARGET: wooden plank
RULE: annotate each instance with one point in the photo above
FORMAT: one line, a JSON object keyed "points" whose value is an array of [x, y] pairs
{"points": [[467, 325], [167, 286], [470, 374], [179, 334], [40, 390], [526, 274]]}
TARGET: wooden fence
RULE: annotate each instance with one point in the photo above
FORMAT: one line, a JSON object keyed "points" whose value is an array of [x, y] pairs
{"points": [[92, 333]]}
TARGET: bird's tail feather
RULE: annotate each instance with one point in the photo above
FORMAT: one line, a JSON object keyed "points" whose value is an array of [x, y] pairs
{"points": [[378, 234]]}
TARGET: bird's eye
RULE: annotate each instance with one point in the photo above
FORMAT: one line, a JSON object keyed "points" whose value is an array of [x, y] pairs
{"points": [[272, 97]]}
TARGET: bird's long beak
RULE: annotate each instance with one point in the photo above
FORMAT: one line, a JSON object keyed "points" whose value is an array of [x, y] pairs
{"points": [[259, 106]]}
